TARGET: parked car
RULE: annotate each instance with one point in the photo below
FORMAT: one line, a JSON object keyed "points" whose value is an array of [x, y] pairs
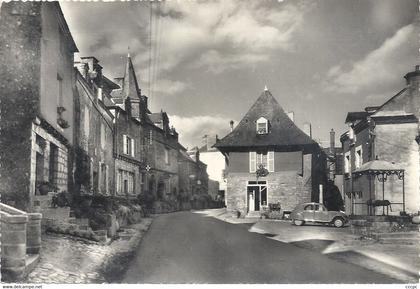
{"points": [[317, 213]]}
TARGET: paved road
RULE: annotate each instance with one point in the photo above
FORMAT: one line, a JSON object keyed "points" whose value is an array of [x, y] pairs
{"points": [[185, 247]]}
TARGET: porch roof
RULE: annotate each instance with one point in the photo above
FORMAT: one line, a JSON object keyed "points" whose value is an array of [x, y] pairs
{"points": [[378, 167]]}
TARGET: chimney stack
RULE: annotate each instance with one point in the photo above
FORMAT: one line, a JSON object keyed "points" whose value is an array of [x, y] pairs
{"points": [[231, 125], [332, 141], [291, 115], [307, 128], [413, 77]]}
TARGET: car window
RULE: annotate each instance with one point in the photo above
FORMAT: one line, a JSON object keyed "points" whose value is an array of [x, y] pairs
{"points": [[309, 208], [319, 208]]}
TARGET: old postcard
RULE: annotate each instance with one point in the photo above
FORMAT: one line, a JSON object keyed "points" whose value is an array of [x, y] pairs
{"points": [[210, 142]]}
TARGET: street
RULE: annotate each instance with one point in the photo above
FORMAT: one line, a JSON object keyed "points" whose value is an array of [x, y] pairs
{"points": [[189, 248]]}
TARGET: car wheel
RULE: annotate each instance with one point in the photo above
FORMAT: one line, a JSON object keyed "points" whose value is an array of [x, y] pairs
{"points": [[298, 222], [338, 222]]}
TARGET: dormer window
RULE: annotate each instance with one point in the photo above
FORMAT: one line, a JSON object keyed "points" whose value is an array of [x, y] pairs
{"points": [[262, 125]]}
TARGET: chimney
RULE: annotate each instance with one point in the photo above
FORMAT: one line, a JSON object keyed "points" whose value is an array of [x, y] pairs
{"points": [[291, 115], [210, 141], [307, 128], [231, 125], [413, 77], [332, 141]]}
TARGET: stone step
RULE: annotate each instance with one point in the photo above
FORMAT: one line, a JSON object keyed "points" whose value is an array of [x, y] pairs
{"points": [[253, 214], [31, 260]]}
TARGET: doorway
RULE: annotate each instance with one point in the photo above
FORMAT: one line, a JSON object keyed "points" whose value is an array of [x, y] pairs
{"points": [[256, 195]]}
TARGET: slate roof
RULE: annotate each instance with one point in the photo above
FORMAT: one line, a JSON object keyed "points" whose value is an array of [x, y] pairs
{"points": [[282, 130], [156, 117], [378, 166], [356, 115]]}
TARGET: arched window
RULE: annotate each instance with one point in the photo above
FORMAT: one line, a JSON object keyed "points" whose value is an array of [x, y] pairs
{"points": [[262, 125]]}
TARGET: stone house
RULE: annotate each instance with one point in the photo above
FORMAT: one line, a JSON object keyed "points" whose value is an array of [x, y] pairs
{"points": [[129, 109], [201, 177], [215, 162], [388, 133], [269, 160], [186, 178], [94, 173], [37, 132], [162, 159]]}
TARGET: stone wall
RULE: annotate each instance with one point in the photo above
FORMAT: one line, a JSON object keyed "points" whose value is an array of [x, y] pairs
{"points": [[20, 34], [396, 143], [288, 188]]}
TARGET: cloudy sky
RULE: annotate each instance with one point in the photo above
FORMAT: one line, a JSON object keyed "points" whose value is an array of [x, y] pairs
{"points": [[206, 62]]}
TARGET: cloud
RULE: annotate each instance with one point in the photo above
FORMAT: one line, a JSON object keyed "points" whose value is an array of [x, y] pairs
{"points": [[192, 129], [380, 67], [167, 86], [198, 33]]}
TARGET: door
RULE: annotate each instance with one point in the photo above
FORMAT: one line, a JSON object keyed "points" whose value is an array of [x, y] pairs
{"points": [[308, 212], [253, 198], [321, 214]]}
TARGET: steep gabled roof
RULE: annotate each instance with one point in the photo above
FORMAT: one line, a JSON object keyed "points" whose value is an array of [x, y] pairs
{"points": [[282, 130], [128, 84]]}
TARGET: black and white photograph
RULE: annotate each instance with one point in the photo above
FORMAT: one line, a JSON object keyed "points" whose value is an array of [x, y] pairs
{"points": [[198, 142]]}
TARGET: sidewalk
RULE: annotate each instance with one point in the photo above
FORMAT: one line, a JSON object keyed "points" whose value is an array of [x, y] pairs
{"points": [[66, 259], [401, 262]]}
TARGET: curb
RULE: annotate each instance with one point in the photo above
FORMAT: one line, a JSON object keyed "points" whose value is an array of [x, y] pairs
{"points": [[114, 267]]}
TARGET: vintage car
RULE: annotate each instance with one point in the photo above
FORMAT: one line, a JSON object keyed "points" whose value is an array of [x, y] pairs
{"points": [[317, 213]]}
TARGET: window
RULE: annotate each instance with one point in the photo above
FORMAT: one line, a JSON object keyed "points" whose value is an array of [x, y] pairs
{"points": [[167, 156], [103, 178], [252, 162], [119, 181], [359, 157], [53, 165], [309, 208], [266, 159], [319, 208], [86, 116], [103, 136], [347, 163], [128, 145], [125, 182], [262, 126]]}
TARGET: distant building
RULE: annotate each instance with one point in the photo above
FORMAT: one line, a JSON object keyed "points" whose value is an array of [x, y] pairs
{"points": [[269, 160], [385, 135], [335, 163], [162, 158], [129, 109], [215, 162], [94, 173], [37, 106]]}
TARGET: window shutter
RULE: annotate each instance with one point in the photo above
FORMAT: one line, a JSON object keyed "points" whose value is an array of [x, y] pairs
{"points": [[106, 180], [271, 161], [124, 144], [132, 147], [100, 177], [252, 162]]}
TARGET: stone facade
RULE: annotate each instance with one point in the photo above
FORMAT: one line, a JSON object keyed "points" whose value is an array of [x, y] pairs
{"points": [[270, 160], [94, 132], [287, 187], [37, 100], [388, 133]]}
